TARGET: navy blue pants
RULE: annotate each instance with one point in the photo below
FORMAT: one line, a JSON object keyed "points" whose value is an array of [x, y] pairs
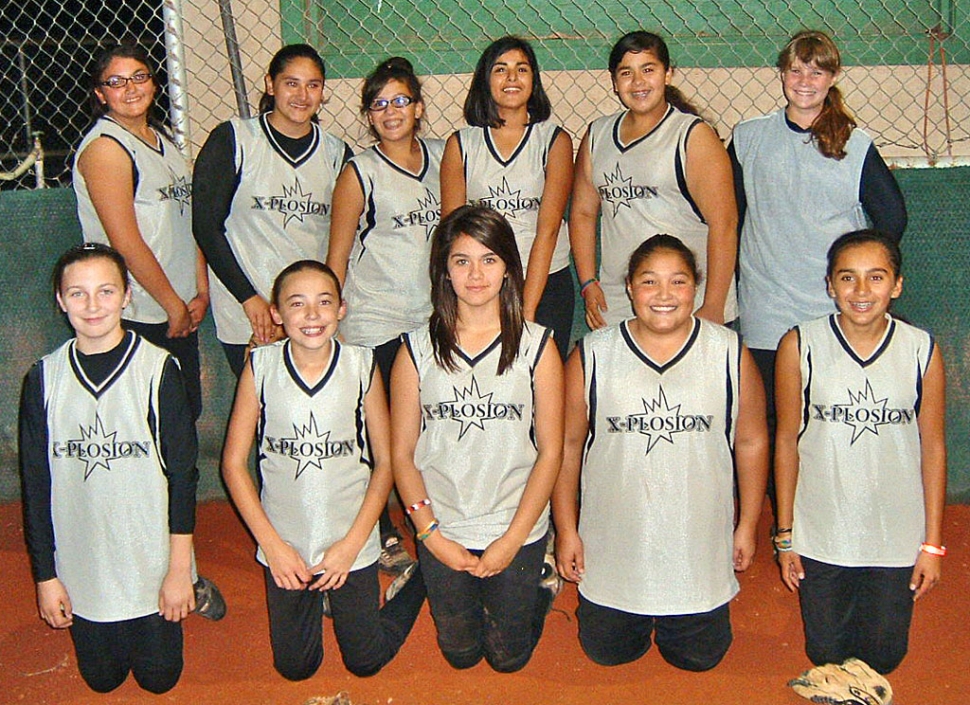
{"points": [[856, 612], [693, 642]]}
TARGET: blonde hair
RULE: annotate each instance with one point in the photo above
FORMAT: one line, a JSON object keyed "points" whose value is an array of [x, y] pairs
{"points": [[833, 126]]}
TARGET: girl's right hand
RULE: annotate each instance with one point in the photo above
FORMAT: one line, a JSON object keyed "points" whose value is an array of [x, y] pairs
{"points": [[289, 570], [257, 311], [792, 572], [54, 604], [180, 321], [570, 556], [595, 301], [451, 553]]}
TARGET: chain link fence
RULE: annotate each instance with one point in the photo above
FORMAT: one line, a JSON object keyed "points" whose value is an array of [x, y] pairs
{"points": [[907, 74]]}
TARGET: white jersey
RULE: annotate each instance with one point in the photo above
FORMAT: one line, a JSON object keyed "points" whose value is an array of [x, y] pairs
{"points": [[513, 187], [859, 497], [388, 290], [643, 191], [477, 444], [313, 456], [163, 210], [798, 203], [280, 214], [109, 494], [657, 484]]}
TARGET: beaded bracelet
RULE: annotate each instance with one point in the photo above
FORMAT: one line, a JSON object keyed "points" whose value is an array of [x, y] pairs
{"points": [[933, 550], [782, 545], [417, 505], [428, 530], [587, 284], [783, 531]]}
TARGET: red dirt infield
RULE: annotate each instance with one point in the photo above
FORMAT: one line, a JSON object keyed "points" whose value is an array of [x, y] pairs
{"points": [[230, 661]]}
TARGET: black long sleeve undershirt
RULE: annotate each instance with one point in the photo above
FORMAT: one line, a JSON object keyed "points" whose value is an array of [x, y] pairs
{"points": [[178, 447]]}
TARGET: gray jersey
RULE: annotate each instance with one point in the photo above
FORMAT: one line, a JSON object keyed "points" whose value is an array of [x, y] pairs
{"points": [[477, 444], [388, 291], [643, 191], [657, 484], [798, 203], [109, 495], [280, 214], [163, 210], [313, 456], [859, 497], [513, 187]]}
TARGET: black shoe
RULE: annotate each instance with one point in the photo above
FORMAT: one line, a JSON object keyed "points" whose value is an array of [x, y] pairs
{"points": [[209, 602]]}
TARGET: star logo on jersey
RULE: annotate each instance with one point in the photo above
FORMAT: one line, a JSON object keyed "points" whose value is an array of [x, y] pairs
{"points": [[619, 190], [427, 214], [293, 204], [863, 413], [506, 201], [97, 448], [308, 447], [472, 409], [179, 190], [659, 421]]}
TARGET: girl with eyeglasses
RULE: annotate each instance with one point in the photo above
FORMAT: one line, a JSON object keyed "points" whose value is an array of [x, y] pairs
{"points": [[512, 159], [134, 192], [263, 196], [386, 207]]}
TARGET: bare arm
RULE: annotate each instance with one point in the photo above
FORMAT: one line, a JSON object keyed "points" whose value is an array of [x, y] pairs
{"points": [[570, 560], [932, 437], [555, 195], [710, 181], [106, 168], [348, 204], [453, 191], [788, 407], [583, 214], [340, 556], [405, 430], [549, 436], [287, 566], [198, 305], [751, 459]]}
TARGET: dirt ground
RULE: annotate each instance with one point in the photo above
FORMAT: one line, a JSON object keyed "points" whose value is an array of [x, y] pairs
{"points": [[230, 662]]}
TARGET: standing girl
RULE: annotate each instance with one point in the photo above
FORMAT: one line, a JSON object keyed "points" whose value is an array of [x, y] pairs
{"points": [[477, 441], [134, 192], [860, 464], [514, 161], [654, 167], [262, 197], [309, 400], [107, 457], [661, 409], [803, 176], [385, 208]]}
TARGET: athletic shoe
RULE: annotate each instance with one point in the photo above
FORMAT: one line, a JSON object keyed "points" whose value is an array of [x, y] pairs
{"points": [[394, 558], [399, 582], [209, 602], [851, 683], [549, 577], [326, 604]]}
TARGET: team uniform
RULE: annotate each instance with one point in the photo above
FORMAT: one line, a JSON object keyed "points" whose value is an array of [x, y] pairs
{"points": [[315, 468], [108, 453], [163, 210], [657, 493], [514, 187], [388, 291], [643, 191], [859, 496], [475, 454], [272, 211]]}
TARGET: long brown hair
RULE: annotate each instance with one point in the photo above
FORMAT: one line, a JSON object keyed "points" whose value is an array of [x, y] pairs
{"points": [[493, 231], [833, 126]]}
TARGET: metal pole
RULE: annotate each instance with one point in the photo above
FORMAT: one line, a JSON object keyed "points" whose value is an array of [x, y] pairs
{"points": [[235, 64], [25, 90], [175, 64]]}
